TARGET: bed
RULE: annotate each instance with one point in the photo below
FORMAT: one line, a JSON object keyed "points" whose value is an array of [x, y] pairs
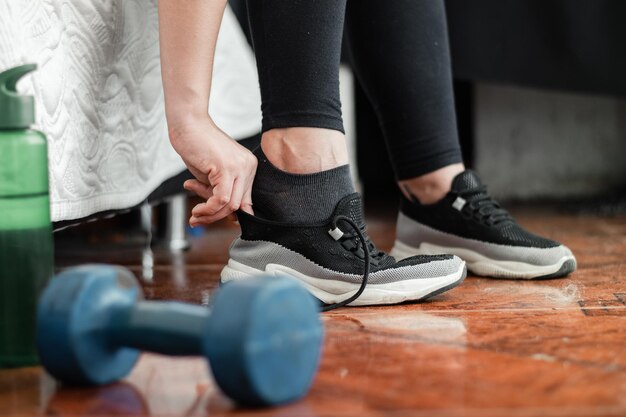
{"points": [[100, 102]]}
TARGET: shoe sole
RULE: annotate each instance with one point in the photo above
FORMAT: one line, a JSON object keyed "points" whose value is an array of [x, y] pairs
{"points": [[480, 264], [330, 291]]}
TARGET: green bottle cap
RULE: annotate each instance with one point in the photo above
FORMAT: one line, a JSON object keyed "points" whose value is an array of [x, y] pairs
{"points": [[16, 111]]}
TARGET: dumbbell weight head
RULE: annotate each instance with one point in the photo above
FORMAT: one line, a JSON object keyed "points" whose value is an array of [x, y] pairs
{"points": [[273, 358], [73, 317], [262, 338]]}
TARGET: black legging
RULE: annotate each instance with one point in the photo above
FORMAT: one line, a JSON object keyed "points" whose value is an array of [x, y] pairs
{"points": [[399, 51]]}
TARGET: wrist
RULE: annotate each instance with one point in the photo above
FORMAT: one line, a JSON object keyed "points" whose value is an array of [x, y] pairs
{"points": [[185, 107], [180, 123], [183, 111]]}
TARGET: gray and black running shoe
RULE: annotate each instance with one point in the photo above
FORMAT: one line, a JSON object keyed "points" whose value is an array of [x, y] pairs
{"points": [[336, 261], [470, 224]]}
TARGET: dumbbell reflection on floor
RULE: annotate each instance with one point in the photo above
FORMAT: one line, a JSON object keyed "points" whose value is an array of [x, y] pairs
{"points": [[263, 336]]}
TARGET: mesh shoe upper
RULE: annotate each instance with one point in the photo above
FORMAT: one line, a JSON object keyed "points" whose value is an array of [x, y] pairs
{"points": [[314, 242], [468, 211]]}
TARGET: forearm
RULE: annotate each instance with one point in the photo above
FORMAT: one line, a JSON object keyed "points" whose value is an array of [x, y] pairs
{"points": [[188, 32]]}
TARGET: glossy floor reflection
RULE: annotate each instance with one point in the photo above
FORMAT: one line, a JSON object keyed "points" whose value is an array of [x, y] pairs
{"points": [[486, 348]]}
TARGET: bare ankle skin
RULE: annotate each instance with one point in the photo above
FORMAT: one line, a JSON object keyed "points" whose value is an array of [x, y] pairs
{"points": [[305, 150], [431, 187]]}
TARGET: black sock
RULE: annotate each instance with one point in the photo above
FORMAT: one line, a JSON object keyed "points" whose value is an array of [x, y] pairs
{"points": [[298, 198]]}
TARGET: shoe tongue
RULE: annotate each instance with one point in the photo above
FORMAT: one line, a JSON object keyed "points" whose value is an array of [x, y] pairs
{"points": [[351, 206], [466, 180]]}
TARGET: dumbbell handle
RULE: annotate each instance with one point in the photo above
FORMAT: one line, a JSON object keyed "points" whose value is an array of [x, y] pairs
{"points": [[169, 328]]}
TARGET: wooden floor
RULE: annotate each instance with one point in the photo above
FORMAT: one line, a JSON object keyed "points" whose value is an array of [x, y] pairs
{"points": [[487, 348]]}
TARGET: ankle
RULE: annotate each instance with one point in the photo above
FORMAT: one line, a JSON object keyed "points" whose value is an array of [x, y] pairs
{"points": [[305, 150], [288, 188], [431, 187]]}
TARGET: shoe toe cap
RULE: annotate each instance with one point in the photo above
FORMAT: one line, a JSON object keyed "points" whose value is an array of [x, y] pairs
{"points": [[559, 254]]}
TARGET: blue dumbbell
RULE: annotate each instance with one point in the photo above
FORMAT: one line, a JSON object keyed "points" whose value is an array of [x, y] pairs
{"points": [[262, 337]]}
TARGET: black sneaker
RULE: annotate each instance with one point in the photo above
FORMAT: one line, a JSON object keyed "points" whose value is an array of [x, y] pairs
{"points": [[467, 222], [329, 259]]}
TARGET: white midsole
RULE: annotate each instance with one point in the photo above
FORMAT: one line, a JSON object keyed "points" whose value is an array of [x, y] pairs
{"points": [[480, 264], [333, 291]]}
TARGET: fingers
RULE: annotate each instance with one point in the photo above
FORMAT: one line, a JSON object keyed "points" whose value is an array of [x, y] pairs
{"points": [[246, 201], [237, 202], [217, 206], [227, 192], [203, 190], [239, 189], [219, 198], [221, 195]]}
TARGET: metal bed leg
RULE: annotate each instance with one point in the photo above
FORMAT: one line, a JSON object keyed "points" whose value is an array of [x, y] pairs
{"points": [[175, 236]]}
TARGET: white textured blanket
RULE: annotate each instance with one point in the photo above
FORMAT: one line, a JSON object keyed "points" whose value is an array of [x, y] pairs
{"points": [[99, 96]]}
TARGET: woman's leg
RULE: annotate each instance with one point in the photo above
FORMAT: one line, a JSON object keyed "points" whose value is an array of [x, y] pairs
{"points": [[401, 56], [297, 46]]}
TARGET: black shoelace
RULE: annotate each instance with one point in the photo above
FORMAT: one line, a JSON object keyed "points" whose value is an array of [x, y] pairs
{"points": [[483, 208], [363, 248]]}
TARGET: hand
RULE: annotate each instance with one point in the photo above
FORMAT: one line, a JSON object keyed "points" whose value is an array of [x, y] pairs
{"points": [[224, 170]]}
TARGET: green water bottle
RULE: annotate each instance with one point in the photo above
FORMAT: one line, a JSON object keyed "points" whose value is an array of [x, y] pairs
{"points": [[26, 249]]}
